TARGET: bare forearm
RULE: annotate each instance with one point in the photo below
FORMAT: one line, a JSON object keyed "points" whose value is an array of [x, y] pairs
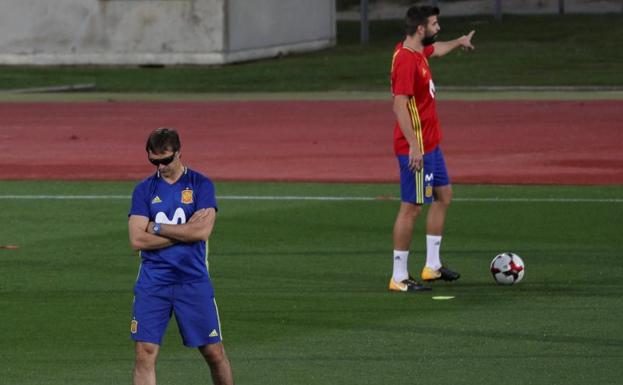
{"points": [[444, 47], [147, 241], [187, 233]]}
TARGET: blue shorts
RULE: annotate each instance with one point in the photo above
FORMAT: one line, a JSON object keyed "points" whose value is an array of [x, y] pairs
{"points": [[193, 305], [417, 186]]}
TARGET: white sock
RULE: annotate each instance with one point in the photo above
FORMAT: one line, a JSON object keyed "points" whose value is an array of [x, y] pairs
{"points": [[400, 265], [433, 243]]}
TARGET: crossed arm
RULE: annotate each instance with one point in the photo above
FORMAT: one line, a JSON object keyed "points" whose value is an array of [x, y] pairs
{"points": [[198, 228], [444, 47]]}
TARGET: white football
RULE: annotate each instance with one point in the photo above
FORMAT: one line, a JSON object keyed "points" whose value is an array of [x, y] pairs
{"points": [[507, 268]]}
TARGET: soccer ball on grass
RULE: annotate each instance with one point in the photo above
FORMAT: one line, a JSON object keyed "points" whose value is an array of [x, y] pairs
{"points": [[507, 268]]}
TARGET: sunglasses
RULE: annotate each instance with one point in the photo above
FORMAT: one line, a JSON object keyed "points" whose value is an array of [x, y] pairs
{"points": [[164, 161]]}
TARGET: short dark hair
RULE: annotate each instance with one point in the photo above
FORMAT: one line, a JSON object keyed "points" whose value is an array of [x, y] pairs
{"points": [[162, 140], [418, 15]]}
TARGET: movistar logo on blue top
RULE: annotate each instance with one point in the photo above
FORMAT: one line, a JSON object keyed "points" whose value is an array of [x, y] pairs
{"points": [[179, 217]]}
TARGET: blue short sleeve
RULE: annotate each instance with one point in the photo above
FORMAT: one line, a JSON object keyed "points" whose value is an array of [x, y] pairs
{"points": [[207, 196], [140, 202]]}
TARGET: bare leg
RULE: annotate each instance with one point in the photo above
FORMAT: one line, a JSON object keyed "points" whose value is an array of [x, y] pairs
{"points": [[217, 360], [403, 227], [437, 211], [145, 363]]}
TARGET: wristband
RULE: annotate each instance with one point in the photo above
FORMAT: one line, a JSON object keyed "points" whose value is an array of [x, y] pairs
{"points": [[156, 228]]}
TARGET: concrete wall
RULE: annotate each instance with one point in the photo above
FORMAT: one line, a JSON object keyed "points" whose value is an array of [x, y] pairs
{"points": [[160, 31], [279, 26]]}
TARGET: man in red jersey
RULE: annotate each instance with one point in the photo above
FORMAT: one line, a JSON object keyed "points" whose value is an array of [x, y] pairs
{"points": [[423, 175]]}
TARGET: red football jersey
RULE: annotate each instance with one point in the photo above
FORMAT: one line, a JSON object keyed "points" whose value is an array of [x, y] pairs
{"points": [[411, 76]]}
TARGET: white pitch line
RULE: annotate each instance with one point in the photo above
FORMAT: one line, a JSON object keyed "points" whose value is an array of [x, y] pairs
{"points": [[64, 197], [297, 198], [546, 200], [319, 198]]}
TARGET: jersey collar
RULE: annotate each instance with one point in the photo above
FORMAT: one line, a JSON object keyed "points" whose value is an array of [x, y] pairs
{"points": [[184, 173]]}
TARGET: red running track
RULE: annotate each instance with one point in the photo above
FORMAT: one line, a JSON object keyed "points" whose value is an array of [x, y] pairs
{"points": [[519, 142]]}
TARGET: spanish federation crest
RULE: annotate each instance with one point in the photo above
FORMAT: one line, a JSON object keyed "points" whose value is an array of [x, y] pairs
{"points": [[429, 191], [187, 196], [134, 326]]}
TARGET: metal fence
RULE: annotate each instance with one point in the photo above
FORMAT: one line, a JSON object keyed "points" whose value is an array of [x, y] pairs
{"points": [[497, 8]]}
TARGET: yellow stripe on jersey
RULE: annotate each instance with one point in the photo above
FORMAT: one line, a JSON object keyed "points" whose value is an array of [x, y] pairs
{"points": [[140, 265], [393, 60], [416, 122], [417, 129]]}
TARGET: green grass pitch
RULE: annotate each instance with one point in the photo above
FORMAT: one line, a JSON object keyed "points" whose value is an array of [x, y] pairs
{"points": [[301, 288]]}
